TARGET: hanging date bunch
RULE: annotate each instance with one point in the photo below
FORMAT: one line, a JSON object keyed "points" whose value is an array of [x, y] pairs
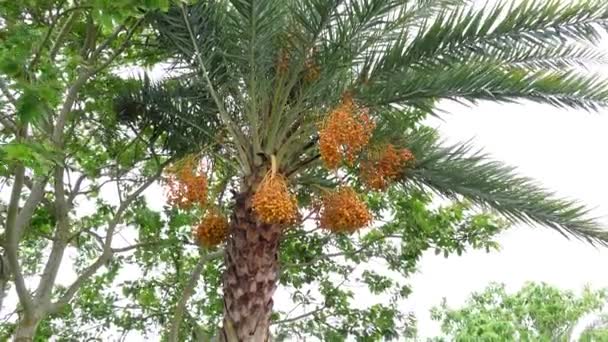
{"points": [[344, 133], [385, 165], [186, 184], [342, 211], [212, 230], [272, 201]]}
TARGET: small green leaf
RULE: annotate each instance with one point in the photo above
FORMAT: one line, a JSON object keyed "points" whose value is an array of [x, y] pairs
{"points": [[29, 106]]}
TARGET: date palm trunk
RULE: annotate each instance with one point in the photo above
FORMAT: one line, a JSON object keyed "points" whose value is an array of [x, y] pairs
{"points": [[251, 274]]}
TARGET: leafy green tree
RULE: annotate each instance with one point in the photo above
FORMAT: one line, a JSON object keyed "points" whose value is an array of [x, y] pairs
{"points": [[60, 148], [321, 99], [537, 312]]}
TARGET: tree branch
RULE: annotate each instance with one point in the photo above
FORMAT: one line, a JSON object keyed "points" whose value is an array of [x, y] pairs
{"points": [[5, 274], [25, 214], [66, 109], [61, 237], [107, 42], [62, 34], [198, 333], [60, 241], [120, 49], [144, 244], [75, 189], [4, 120], [297, 318], [12, 241], [334, 255], [107, 253], [84, 75], [187, 293], [47, 37], [90, 232]]}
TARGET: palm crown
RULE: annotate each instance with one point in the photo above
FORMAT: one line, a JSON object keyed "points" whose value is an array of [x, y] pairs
{"points": [[266, 74], [280, 85]]}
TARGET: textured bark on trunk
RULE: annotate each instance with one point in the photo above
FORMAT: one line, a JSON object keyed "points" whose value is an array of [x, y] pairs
{"points": [[251, 275], [5, 275], [26, 330]]}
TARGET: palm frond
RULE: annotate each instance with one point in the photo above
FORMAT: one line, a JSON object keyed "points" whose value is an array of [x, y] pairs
{"points": [[459, 171], [530, 42], [455, 33], [179, 114], [205, 18], [480, 80], [549, 58]]}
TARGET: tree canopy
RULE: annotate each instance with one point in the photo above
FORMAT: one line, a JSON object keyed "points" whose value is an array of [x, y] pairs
{"points": [[537, 312]]}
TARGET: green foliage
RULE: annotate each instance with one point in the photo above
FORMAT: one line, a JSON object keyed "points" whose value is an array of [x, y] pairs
{"points": [[40, 157], [537, 312]]}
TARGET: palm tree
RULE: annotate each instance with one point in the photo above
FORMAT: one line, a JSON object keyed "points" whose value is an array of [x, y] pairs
{"points": [[320, 97]]}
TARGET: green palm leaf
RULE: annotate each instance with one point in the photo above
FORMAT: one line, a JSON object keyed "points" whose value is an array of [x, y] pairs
{"points": [[460, 171], [502, 54], [480, 80], [180, 114]]}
